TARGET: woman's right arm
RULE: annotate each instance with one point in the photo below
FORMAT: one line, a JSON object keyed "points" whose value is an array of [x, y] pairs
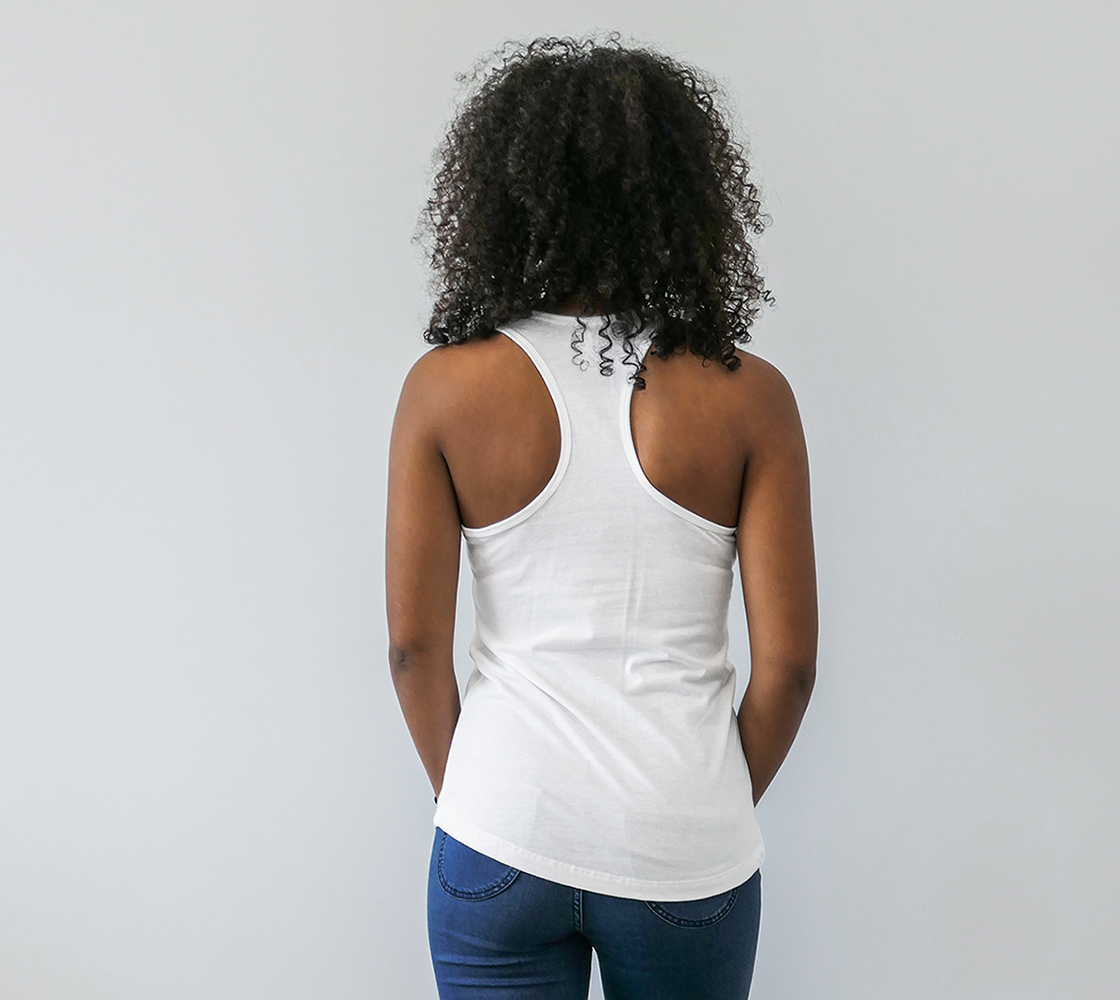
{"points": [[775, 541], [422, 568]]}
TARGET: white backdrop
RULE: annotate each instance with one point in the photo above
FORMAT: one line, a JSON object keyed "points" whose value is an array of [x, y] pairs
{"points": [[208, 301]]}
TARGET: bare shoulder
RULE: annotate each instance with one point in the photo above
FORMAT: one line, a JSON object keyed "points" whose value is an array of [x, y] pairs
{"points": [[766, 406], [760, 376], [763, 390], [447, 376], [458, 362]]}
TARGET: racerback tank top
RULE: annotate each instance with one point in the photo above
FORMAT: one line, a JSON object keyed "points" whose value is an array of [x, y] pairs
{"points": [[597, 744]]}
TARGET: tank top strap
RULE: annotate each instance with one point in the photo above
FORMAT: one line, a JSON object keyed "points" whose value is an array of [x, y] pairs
{"points": [[589, 374], [593, 407], [580, 361]]}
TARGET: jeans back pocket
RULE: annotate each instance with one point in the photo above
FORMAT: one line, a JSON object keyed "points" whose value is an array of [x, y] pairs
{"points": [[696, 912], [469, 874]]}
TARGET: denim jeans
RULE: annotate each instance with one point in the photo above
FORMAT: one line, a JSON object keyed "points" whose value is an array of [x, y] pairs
{"points": [[499, 932]]}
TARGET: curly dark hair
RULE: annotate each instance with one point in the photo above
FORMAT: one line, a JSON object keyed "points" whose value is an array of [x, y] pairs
{"points": [[589, 172]]}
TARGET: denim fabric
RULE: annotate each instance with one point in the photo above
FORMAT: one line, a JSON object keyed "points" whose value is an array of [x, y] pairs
{"points": [[498, 932]]}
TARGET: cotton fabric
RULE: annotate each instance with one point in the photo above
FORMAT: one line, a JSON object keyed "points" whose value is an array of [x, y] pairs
{"points": [[597, 745]]}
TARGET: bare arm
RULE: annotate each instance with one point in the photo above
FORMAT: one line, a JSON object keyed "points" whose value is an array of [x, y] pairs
{"points": [[775, 539], [422, 572]]}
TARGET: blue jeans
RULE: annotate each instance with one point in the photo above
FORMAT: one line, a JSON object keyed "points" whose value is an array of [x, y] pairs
{"points": [[497, 932]]}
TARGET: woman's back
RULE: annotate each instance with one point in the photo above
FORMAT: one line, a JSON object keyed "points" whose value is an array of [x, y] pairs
{"points": [[693, 427], [597, 744]]}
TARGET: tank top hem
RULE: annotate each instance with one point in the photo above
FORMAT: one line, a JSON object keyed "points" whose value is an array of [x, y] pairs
{"points": [[524, 860]]}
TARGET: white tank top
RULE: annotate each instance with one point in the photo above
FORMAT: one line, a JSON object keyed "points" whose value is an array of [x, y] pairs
{"points": [[597, 744]]}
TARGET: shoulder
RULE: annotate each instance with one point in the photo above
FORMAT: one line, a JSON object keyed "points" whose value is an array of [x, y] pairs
{"points": [[756, 385], [761, 382], [440, 377], [457, 361], [457, 389], [766, 403]]}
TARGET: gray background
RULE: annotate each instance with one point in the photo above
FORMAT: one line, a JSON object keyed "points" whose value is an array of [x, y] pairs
{"points": [[208, 301]]}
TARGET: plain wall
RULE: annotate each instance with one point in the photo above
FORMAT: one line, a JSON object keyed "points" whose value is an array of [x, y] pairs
{"points": [[208, 301]]}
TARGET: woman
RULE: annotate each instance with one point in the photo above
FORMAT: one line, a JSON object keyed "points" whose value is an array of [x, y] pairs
{"points": [[588, 425]]}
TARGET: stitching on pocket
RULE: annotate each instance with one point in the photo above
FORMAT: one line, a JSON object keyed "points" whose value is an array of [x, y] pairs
{"points": [[672, 918], [482, 892]]}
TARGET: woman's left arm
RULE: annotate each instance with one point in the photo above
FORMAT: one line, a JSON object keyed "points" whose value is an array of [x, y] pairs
{"points": [[422, 569]]}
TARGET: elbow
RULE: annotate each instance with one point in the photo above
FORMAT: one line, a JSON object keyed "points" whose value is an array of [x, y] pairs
{"points": [[406, 657], [802, 677], [400, 659], [789, 679], [414, 657]]}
